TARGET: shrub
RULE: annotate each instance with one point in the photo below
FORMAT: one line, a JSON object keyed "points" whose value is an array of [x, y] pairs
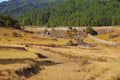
{"points": [[9, 40], [15, 34], [5, 34], [70, 28], [69, 34], [91, 31], [45, 30], [74, 30], [70, 43], [84, 60]]}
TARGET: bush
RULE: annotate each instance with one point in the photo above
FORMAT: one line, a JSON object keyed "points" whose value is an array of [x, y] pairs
{"points": [[15, 34], [84, 60], [91, 31], [74, 30], [70, 28], [70, 43], [69, 34], [9, 40]]}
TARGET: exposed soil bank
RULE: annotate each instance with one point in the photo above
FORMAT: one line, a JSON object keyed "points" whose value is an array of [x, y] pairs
{"points": [[20, 74], [12, 47], [28, 71]]}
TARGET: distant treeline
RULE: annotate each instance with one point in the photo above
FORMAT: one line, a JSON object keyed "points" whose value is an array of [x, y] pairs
{"points": [[7, 21], [21, 6], [75, 13]]}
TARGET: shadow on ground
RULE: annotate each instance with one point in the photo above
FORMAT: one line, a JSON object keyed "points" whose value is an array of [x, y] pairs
{"points": [[48, 63], [30, 70], [41, 56], [27, 60]]}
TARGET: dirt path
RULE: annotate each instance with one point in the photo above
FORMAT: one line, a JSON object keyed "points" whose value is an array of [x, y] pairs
{"points": [[56, 67]]}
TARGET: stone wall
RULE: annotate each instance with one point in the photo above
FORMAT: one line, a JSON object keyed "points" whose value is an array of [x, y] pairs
{"points": [[103, 41]]}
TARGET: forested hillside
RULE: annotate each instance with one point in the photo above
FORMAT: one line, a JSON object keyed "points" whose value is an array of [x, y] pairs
{"points": [[53, 13], [75, 13], [8, 22], [14, 7]]}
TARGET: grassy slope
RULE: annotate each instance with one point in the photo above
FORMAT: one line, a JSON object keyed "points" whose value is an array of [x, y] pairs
{"points": [[13, 54], [105, 36], [26, 38], [13, 60], [103, 63], [104, 60]]}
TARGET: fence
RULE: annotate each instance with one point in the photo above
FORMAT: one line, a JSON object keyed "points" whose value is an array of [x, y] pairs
{"points": [[103, 41]]}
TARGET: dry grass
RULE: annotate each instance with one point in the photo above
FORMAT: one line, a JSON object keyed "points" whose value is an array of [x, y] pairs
{"points": [[6, 38], [17, 57], [98, 63], [105, 36], [95, 63], [17, 64], [13, 54]]}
